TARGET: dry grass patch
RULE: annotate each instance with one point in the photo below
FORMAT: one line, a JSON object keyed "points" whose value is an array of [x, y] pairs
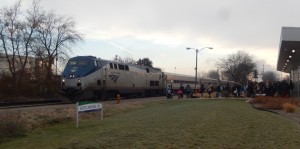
{"points": [[11, 125], [274, 103], [289, 108], [46, 117], [16, 123]]}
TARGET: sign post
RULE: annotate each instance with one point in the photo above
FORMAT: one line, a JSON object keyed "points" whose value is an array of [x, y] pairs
{"points": [[88, 107]]}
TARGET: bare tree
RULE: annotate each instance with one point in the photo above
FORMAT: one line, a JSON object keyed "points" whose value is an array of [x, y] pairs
{"points": [[129, 60], [269, 76], [10, 34], [17, 35], [118, 59], [213, 74], [202, 74], [33, 19], [145, 62], [45, 36], [56, 35], [237, 67]]}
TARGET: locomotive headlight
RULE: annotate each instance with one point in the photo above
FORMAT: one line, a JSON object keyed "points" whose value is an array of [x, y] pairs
{"points": [[63, 80], [78, 80]]}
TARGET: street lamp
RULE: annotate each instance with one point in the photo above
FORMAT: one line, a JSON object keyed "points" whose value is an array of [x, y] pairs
{"points": [[197, 50]]}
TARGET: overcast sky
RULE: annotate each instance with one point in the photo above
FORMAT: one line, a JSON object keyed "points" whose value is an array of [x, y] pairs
{"points": [[162, 29]]}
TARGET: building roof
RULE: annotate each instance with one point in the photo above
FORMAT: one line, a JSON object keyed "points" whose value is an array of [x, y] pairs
{"points": [[289, 49]]}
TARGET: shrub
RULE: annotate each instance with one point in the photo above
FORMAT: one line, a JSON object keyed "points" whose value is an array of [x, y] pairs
{"points": [[273, 103], [289, 107], [11, 125]]}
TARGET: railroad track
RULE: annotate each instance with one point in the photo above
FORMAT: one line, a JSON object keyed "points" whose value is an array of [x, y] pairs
{"points": [[11, 105], [20, 104]]}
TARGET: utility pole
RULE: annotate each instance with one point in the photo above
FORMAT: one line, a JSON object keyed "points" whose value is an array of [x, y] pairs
{"points": [[175, 71]]}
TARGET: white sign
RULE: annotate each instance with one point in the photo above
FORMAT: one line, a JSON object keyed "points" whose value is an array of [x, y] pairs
{"points": [[89, 107]]}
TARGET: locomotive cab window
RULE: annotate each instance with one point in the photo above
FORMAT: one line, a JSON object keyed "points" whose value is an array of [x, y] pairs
{"points": [[115, 66], [111, 66], [99, 64], [82, 63], [121, 67], [147, 70], [126, 68], [72, 63]]}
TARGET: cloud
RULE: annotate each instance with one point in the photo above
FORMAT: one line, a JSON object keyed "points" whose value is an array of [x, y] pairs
{"points": [[119, 47], [136, 26]]}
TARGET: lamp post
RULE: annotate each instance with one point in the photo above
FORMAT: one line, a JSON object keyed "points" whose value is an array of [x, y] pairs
{"points": [[197, 51]]}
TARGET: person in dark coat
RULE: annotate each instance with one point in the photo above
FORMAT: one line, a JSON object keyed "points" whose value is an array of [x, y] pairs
{"points": [[291, 87], [250, 89], [209, 89], [202, 89], [188, 91]]}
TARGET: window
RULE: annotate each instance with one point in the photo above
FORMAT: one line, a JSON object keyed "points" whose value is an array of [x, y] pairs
{"points": [[126, 68], [156, 83], [78, 63], [151, 83], [99, 63], [82, 63], [115, 66], [72, 63], [111, 66], [121, 67], [99, 82], [147, 70]]}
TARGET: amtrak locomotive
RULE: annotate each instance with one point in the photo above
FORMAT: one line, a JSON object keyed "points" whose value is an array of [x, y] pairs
{"points": [[87, 77]]}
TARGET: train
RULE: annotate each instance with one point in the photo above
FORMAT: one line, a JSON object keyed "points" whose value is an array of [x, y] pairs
{"points": [[88, 77]]}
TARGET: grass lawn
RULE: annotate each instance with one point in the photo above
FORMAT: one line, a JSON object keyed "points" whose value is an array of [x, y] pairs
{"points": [[172, 124]]}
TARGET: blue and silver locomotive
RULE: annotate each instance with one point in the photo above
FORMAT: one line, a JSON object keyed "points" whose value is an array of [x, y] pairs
{"points": [[86, 77]]}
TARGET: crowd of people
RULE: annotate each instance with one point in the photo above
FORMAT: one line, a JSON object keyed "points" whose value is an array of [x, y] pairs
{"points": [[251, 89], [179, 92], [268, 88]]}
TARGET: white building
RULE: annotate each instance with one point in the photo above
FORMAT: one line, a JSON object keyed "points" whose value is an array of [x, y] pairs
{"points": [[289, 55], [34, 67]]}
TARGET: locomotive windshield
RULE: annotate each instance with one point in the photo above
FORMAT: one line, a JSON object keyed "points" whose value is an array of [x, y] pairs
{"points": [[79, 67], [78, 63]]}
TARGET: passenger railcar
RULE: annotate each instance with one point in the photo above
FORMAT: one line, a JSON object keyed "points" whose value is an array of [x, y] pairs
{"points": [[175, 80]]}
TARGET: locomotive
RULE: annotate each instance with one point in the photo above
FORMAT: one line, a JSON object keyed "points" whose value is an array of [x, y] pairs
{"points": [[88, 77]]}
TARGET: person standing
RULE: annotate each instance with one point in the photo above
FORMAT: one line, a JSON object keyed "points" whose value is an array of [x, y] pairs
{"points": [[291, 87], [188, 91], [218, 90], [202, 89], [169, 92], [227, 90], [238, 90], [250, 89], [209, 89], [182, 89]]}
